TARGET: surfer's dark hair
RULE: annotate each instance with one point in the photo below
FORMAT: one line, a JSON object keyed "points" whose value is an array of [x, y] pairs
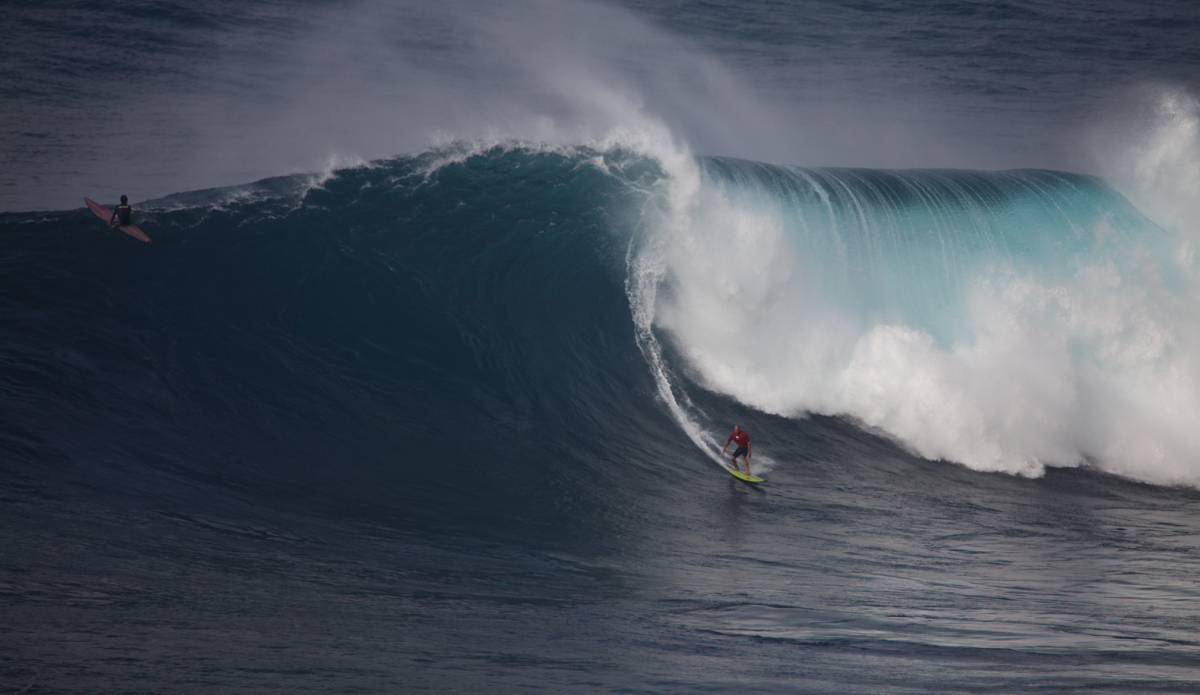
{"points": [[124, 199]]}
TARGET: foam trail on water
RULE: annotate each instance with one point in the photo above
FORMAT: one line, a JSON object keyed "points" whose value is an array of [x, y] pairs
{"points": [[644, 276], [668, 211]]}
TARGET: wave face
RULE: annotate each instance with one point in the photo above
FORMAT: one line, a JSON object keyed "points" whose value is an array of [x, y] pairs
{"points": [[498, 314], [371, 337]]}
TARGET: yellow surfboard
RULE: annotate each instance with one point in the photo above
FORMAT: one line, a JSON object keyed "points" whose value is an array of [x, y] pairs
{"points": [[743, 476]]}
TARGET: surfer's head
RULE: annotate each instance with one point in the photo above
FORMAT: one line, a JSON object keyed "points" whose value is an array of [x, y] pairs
{"points": [[124, 200]]}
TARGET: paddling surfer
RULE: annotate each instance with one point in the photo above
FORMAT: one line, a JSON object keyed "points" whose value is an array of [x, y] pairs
{"points": [[742, 440], [121, 215]]}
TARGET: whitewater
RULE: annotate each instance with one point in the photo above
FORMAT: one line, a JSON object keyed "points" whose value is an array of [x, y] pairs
{"points": [[1007, 321]]}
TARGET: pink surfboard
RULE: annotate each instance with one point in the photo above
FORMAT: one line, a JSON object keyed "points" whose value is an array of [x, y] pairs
{"points": [[106, 215]]}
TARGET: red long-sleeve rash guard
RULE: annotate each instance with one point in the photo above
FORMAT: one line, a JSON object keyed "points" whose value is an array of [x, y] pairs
{"points": [[740, 438]]}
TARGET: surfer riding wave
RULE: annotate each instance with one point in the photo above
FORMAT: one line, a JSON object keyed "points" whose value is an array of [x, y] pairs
{"points": [[742, 440]]}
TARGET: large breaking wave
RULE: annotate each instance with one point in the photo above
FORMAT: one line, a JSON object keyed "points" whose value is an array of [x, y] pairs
{"points": [[1005, 320], [487, 314]]}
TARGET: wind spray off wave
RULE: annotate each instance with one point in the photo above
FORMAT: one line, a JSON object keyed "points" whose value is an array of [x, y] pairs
{"points": [[1007, 321]]}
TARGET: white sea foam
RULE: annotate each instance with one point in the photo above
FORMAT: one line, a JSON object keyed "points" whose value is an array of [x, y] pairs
{"points": [[1098, 363]]}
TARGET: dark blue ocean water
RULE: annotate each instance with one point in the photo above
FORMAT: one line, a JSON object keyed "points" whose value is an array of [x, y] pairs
{"points": [[449, 308]]}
